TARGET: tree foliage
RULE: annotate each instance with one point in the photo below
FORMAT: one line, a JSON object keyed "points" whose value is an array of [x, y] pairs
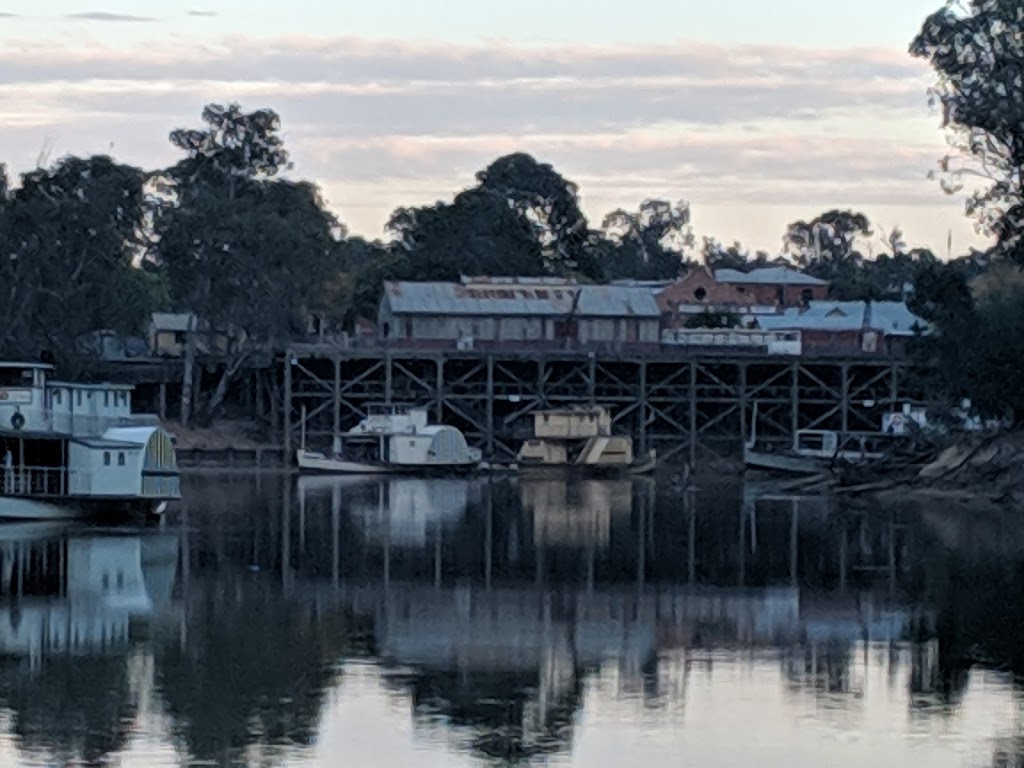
{"points": [[246, 252], [977, 50], [71, 237]]}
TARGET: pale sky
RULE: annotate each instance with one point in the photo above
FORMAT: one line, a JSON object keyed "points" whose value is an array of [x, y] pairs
{"points": [[757, 113]]}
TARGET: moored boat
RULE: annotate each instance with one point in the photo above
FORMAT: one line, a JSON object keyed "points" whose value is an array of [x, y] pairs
{"points": [[580, 439], [392, 439], [814, 451], [70, 450]]}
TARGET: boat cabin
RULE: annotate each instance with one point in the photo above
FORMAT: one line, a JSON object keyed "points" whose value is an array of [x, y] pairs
{"points": [[388, 419], [572, 423], [827, 444], [65, 439], [23, 396]]}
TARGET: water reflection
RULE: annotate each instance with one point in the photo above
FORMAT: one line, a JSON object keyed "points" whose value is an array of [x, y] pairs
{"points": [[275, 622]]}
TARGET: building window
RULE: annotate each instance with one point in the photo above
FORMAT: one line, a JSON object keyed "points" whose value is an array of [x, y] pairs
{"points": [[106, 399], [700, 294], [120, 458], [56, 396], [106, 458], [78, 396]]}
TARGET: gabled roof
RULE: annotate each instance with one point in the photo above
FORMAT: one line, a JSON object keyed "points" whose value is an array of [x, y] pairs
{"points": [[171, 321], [889, 317], [519, 299], [767, 276], [894, 318]]}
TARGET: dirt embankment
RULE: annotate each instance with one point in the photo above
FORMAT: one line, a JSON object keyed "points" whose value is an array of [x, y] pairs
{"points": [[989, 467], [223, 435]]}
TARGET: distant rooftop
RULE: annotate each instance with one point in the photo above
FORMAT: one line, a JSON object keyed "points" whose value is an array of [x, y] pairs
{"points": [[890, 317], [519, 299], [767, 276]]}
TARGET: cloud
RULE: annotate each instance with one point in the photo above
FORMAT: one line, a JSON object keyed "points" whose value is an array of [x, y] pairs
{"points": [[738, 125], [4, 15], [106, 16], [202, 13]]}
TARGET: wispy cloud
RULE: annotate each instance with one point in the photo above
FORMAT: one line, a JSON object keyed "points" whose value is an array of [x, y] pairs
{"points": [[202, 13], [4, 15], [739, 125], [106, 16]]}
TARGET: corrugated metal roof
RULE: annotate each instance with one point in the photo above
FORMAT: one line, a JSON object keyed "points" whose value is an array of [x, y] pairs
{"points": [[522, 299], [171, 321], [894, 318], [819, 316], [767, 276], [891, 317], [617, 301]]}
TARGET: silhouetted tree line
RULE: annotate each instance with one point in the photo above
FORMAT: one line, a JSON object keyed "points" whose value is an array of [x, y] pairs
{"points": [[93, 244]]}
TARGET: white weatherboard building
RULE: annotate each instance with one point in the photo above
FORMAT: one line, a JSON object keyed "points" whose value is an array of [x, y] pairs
{"points": [[70, 449]]}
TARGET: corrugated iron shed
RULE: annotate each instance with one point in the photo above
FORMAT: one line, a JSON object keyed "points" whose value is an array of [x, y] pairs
{"points": [[890, 317], [519, 299], [895, 319], [171, 321], [767, 276]]}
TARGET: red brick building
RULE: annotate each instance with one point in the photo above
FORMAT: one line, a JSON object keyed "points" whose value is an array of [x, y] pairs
{"points": [[775, 286], [728, 290]]}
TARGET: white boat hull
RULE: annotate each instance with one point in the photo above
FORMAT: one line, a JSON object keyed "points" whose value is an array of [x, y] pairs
{"points": [[783, 462], [13, 508], [308, 461], [21, 508]]}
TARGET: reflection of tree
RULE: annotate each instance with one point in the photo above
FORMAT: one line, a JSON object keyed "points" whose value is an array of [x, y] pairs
{"points": [[76, 708], [500, 715], [254, 672], [822, 668]]}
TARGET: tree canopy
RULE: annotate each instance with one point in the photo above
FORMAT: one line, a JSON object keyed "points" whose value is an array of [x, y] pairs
{"points": [[225, 234]]}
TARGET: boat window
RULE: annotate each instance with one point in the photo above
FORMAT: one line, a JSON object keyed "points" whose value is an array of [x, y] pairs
{"points": [[106, 581], [120, 458], [811, 442], [120, 580], [106, 458]]}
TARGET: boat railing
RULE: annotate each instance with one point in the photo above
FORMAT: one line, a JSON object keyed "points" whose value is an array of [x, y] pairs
{"points": [[24, 480], [85, 424]]}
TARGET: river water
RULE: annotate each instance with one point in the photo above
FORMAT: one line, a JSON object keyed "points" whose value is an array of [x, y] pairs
{"points": [[403, 622]]}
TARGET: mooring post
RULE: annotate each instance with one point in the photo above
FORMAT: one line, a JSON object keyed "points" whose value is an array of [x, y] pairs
{"points": [[845, 396], [693, 413], [439, 390], [336, 394], [287, 421], [642, 408], [490, 406], [743, 404], [387, 377], [794, 401], [591, 379]]}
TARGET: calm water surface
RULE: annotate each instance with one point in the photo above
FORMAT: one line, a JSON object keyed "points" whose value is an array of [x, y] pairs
{"points": [[402, 622]]}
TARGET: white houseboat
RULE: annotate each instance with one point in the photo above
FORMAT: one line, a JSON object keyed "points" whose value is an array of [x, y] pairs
{"points": [[580, 439], [72, 450], [392, 438], [815, 450]]}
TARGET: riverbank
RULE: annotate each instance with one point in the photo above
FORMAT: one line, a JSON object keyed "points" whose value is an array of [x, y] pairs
{"points": [[229, 444], [972, 469]]}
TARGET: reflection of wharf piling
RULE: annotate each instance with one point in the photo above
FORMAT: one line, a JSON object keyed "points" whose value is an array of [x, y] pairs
{"points": [[684, 406]]}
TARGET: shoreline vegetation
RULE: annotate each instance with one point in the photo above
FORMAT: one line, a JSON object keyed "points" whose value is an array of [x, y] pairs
{"points": [[221, 236]]}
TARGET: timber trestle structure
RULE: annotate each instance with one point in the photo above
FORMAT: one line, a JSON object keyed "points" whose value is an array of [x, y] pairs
{"points": [[688, 407]]}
